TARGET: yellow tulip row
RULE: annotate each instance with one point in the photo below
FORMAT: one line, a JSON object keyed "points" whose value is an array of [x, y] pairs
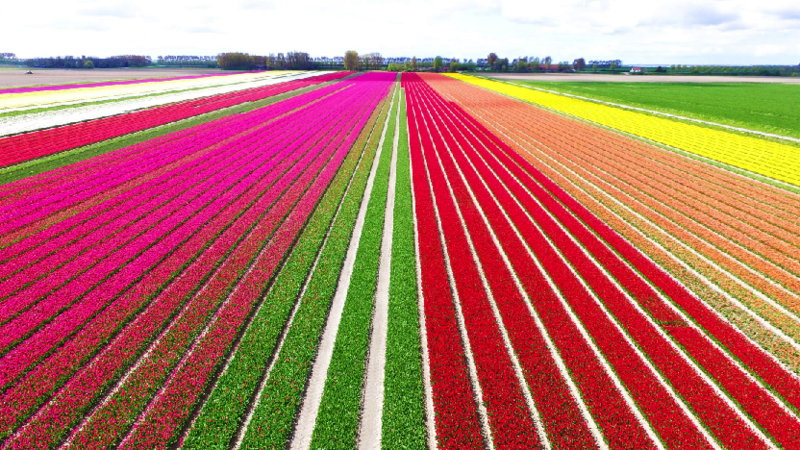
{"points": [[51, 98], [772, 159]]}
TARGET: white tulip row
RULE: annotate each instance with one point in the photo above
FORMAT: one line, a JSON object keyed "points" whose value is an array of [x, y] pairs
{"points": [[46, 99], [50, 119]]}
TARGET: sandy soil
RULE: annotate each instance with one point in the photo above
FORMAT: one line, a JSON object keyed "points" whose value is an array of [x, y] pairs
{"points": [[17, 77], [641, 79]]}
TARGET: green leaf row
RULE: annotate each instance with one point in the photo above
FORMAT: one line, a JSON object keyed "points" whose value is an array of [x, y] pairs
{"points": [[403, 404], [273, 418], [338, 417], [222, 415]]}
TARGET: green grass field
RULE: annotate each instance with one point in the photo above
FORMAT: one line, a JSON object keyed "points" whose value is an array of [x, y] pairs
{"points": [[767, 107]]}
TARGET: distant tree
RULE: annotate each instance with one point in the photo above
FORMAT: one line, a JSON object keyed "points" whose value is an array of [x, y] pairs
{"points": [[393, 67], [521, 65], [88, 64], [563, 66], [299, 61], [613, 65], [406, 66], [437, 63], [414, 64], [469, 66], [535, 64], [454, 66], [580, 64], [351, 60], [371, 61], [594, 67], [491, 60], [236, 61], [547, 61]]}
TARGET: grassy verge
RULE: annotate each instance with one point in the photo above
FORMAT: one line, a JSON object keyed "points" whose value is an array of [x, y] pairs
{"points": [[767, 107], [746, 173], [403, 407], [220, 417], [687, 119], [58, 160], [274, 415], [337, 422]]}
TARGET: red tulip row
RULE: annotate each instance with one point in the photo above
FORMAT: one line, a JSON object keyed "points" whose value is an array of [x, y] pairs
{"points": [[616, 420], [28, 146], [456, 417], [753, 400], [510, 422]]}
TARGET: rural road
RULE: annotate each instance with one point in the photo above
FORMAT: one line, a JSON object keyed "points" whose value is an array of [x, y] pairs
{"points": [[641, 79]]}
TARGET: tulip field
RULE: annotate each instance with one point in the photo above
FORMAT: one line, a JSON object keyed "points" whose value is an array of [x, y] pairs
{"points": [[339, 260]]}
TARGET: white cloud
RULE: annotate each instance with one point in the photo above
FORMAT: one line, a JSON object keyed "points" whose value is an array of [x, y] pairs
{"points": [[653, 31]]}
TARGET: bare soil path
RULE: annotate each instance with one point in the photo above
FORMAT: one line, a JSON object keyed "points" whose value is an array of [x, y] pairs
{"points": [[639, 78], [18, 78]]}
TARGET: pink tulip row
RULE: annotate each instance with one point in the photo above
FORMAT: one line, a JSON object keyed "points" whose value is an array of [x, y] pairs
{"points": [[31, 200], [139, 386], [65, 408], [170, 409], [24, 147], [26, 351], [48, 243]]}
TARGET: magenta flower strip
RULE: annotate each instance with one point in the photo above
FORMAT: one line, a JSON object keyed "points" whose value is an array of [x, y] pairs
{"points": [[28, 146], [94, 391]]}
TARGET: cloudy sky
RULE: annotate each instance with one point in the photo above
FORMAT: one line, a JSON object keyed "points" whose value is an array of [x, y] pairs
{"points": [[636, 31]]}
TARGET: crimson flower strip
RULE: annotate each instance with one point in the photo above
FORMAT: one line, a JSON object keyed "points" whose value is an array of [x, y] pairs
{"points": [[755, 402], [476, 224], [712, 410], [171, 291], [686, 382], [612, 414], [28, 146], [562, 418], [456, 420], [508, 414]]}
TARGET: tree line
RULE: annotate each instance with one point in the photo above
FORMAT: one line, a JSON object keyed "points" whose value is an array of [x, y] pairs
{"points": [[90, 62], [352, 60]]}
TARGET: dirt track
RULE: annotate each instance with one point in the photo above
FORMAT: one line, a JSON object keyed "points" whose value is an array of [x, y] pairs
{"points": [[641, 79], [17, 77]]}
